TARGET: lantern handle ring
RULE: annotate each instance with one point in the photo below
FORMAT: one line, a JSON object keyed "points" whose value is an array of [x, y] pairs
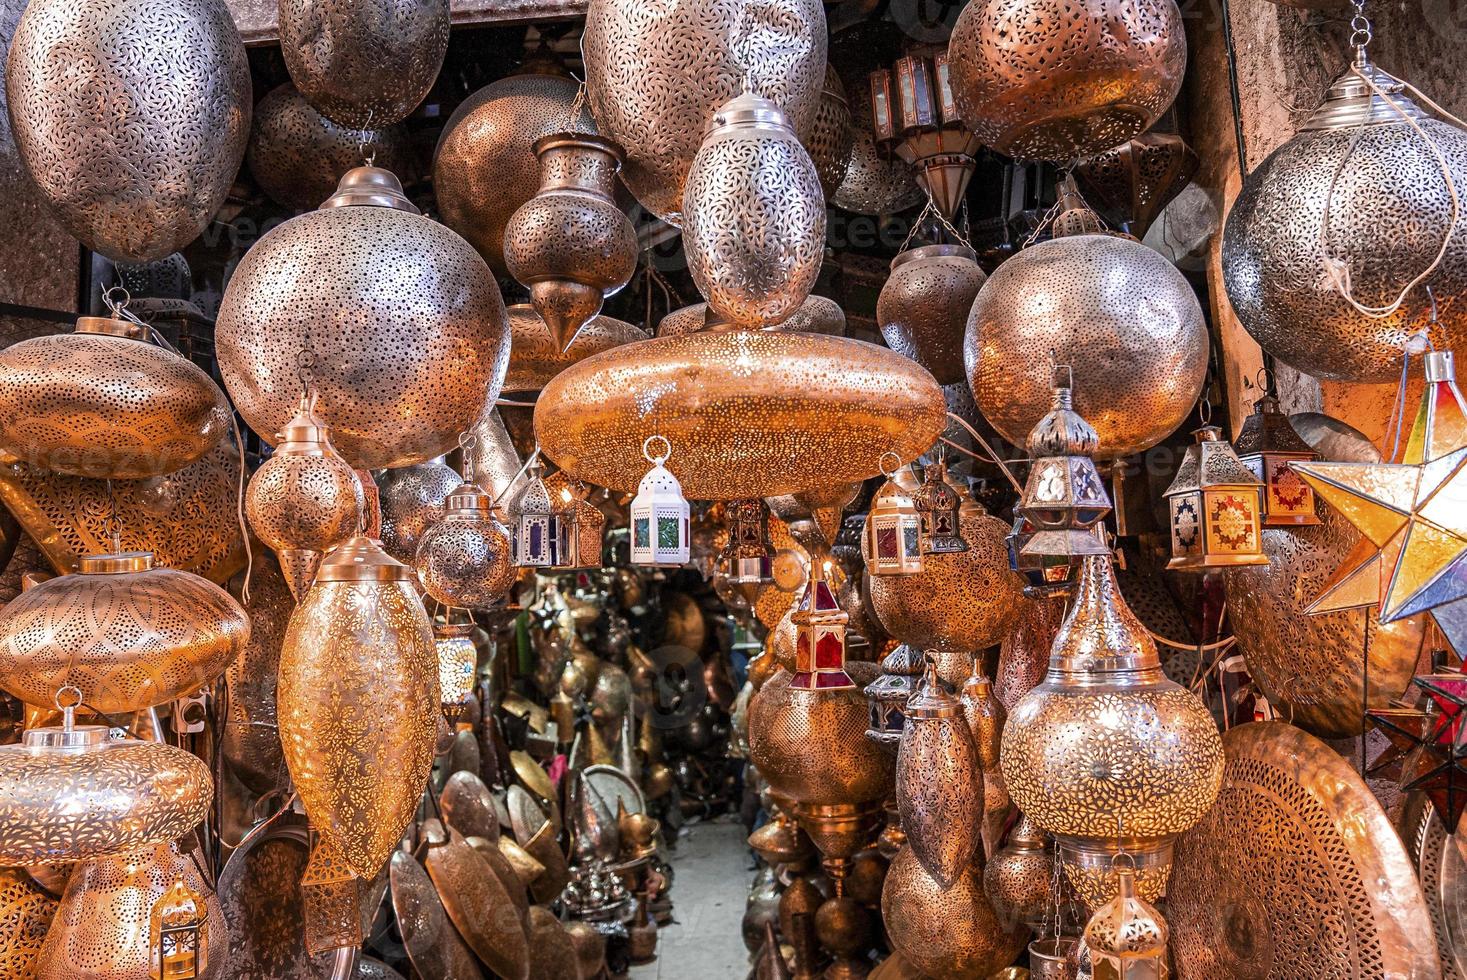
{"points": [[647, 450], [881, 464], [1055, 369], [1123, 853]]}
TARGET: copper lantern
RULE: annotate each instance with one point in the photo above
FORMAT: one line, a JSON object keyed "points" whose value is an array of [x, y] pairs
{"points": [[569, 244], [937, 507], [399, 326], [358, 702], [891, 541], [1216, 507], [582, 526], [745, 561], [939, 782], [753, 215], [1054, 81], [465, 559], [1127, 937], [107, 403], [923, 307], [1267, 445], [177, 929], [915, 117]]}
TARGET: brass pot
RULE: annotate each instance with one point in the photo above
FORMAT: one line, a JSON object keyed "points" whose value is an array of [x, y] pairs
{"points": [[535, 357], [484, 168], [1120, 313], [137, 161], [358, 702], [404, 367], [923, 307], [655, 76], [753, 215], [364, 64], [1050, 81], [569, 244], [411, 499], [129, 636], [101, 929], [945, 932], [807, 411], [104, 402], [810, 745], [1311, 668], [816, 314], [960, 602], [1361, 158], [939, 783], [297, 155]]}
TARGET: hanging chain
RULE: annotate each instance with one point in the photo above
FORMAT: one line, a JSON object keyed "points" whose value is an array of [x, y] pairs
{"points": [[1360, 34], [367, 141]]}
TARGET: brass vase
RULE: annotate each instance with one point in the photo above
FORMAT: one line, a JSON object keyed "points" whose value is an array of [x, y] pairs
{"points": [[939, 782], [128, 635], [105, 402], [923, 307], [950, 932], [569, 244], [753, 215], [358, 702]]}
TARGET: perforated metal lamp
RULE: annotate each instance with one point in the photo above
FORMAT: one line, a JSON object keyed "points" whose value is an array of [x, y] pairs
{"points": [[1216, 507]]}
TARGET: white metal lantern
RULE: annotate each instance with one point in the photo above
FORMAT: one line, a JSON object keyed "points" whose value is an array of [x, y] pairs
{"points": [[892, 540], [659, 513], [536, 524]]}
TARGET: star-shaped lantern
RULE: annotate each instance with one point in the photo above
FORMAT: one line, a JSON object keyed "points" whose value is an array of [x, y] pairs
{"points": [[1428, 750]]}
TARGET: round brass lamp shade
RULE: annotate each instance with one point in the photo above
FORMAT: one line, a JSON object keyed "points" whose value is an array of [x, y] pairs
{"points": [[747, 413]]}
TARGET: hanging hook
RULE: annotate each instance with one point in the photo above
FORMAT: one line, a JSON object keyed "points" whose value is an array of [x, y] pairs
{"points": [[647, 451]]}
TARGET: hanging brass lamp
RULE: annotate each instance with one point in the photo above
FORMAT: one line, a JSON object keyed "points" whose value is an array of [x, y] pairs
{"points": [[923, 307], [745, 561], [305, 499], [753, 215], [1127, 937], [71, 793], [937, 506], [457, 660], [106, 402], [465, 560], [127, 634], [358, 702], [1216, 507], [570, 245], [1267, 444], [920, 123]]}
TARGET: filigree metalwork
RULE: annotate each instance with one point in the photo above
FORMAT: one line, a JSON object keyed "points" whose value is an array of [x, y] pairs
{"points": [[655, 73], [1124, 316], [433, 945], [26, 911], [923, 307], [830, 138], [129, 636], [417, 345], [136, 161], [364, 62], [412, 499], [535, 357], [816, 314], [945, 931], [939, 783], [876, 182], [748, 413], [1296, 871], [1061, 81]]}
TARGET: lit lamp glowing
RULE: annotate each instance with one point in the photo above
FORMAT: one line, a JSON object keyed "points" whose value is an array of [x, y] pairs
{"points": [[892, 540], [176, 949], [1216, 505], [457, 658]]}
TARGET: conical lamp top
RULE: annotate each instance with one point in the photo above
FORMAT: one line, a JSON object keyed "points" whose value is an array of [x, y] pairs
{"points": [[1101, 637]]}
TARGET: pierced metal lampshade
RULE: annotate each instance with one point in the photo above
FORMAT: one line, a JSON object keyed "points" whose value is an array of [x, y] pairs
{"points": [[945, 931], [136, 161], [655, 76], [829, 138], [1120, 312], [364, 62], [923, 307], [465, 560], [939, 783], [570, 245], [412, 499], [457, 658], [358, 702], [1388, 208], [753, 215], [127, 634], [71, 793], [104, 402], [401, 366], [750, 413], [535, 357], [305, 499], [817, 314], [1052, 81]]}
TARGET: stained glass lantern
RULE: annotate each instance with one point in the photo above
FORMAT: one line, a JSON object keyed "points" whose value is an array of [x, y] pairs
{"points": [[937, 506], [1127, 937], [746, 561], [176, 947], [659, 514], [901, 673], [892, 539], [915, 116], [820, 636], [581, 527], [457, 659], [1267, 445], [1216, 507], [1064, 497], [1047, 576], [536, 524]]}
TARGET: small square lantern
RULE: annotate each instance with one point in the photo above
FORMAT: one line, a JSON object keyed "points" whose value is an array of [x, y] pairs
{"points": [[331, 900], [535, 523], [581, 526], [1267, 445], [1064, 498], [1127, 937], [891, 541], [1216, 507], [820, 636], [176, 931], [937, 506], [887, 696], [883, 113], [747, 560], [659, 514]]}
